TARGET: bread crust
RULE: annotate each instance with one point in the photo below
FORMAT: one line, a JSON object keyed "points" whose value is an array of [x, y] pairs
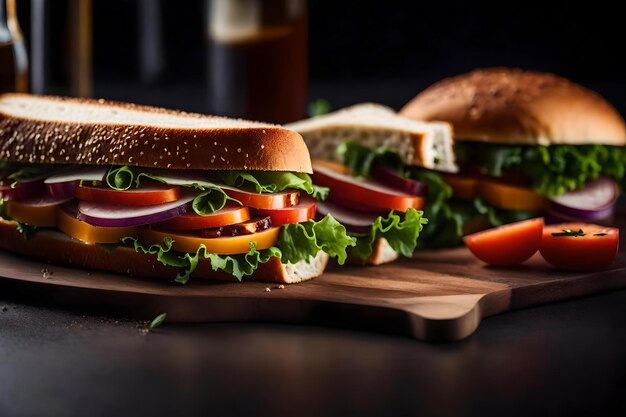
{"points": [[57, 248], [512, 106], [424, 144], [382, 253], [234, 146]]}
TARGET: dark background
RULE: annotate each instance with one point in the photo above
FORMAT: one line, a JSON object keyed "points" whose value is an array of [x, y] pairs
{"points": [[380, 51], [560, 359]]}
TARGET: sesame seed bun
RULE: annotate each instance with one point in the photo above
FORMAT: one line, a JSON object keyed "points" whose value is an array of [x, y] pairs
{"points": [[516, 107], [60, 130]]}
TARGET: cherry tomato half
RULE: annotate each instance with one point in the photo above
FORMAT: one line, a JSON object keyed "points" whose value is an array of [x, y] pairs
{"points": [[507, 245], [579, 246]]}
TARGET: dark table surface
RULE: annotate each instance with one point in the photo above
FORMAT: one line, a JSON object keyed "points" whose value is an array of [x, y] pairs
{"points": [[567, 358]]}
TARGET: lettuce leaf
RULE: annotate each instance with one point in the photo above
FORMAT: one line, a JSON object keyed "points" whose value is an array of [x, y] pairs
{"points": [[498, 217], [237, 265], [273, 181], [553, 170], [401, 231], [297, 242], [302, 240]]}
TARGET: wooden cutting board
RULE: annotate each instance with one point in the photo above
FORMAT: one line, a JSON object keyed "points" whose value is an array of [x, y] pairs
{"points": [[438, 295]]}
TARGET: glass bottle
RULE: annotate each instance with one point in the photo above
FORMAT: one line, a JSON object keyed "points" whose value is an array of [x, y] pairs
{"points": [[258, 59], [13, 57]]}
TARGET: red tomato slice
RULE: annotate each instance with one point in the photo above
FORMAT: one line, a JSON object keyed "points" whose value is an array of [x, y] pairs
{"points": [[362, 191], [594, 248], [281, 199], [301, 212], [231, 213], [507, 245], [150, 195]]}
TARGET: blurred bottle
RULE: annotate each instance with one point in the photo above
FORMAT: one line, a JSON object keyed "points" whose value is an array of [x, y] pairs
{"points": [[258, 59], [61, 47], [13, 57]]}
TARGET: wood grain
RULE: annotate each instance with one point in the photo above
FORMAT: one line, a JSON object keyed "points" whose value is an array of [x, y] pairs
{"points": [[438, 295]]}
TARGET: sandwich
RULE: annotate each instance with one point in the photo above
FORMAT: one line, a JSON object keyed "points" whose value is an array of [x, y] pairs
{"points": [[360, 154], [528, 144], [151, 192]]}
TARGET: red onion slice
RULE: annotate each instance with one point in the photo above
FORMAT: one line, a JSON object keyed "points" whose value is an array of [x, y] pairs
{"points": [[392, 178], [24, 190], [591, 202], [354, 221], [109, 215]]}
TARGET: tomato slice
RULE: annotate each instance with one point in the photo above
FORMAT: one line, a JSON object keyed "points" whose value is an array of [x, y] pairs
{"points": [[149, 195], [593, 248], [507, 245], [285, 198], [463, 187], [71, 226], [185, 242], [301, 212], [362, 191], [35, 212], [231, 213], [510, 197]]}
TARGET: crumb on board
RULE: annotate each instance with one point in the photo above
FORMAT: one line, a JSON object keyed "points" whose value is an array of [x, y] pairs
{"points": [[5, 308], [267, 289], [46, 273], [281, 287]]}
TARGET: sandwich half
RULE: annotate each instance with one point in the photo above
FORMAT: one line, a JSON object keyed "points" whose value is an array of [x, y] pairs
{"points": [[364, 154], [528, 144], [152, 192]]}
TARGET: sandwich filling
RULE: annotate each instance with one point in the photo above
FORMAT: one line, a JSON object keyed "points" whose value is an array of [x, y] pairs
{"points": [[503, 184], [236, 219]]}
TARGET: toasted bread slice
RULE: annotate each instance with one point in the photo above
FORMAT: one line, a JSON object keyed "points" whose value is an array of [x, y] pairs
{"points": [[56, 247], [56, 130], [426, 144]]}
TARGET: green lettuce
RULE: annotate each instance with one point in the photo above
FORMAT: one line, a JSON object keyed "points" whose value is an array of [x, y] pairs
{"points": [[273, 181], [400, 231], [210, 200], [297, 242], [553, 170], [300, 241], [237, 265], [498, 217]]}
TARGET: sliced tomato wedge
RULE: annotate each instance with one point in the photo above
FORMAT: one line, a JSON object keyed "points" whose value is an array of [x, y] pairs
{"points": [[463, 187], [579, 246], [507, 245], [231, 213], [282, 199], [68, 223], [510, 197], [35, 212], [148, 195], [187, 242], [362, 191], [301, 212]]}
